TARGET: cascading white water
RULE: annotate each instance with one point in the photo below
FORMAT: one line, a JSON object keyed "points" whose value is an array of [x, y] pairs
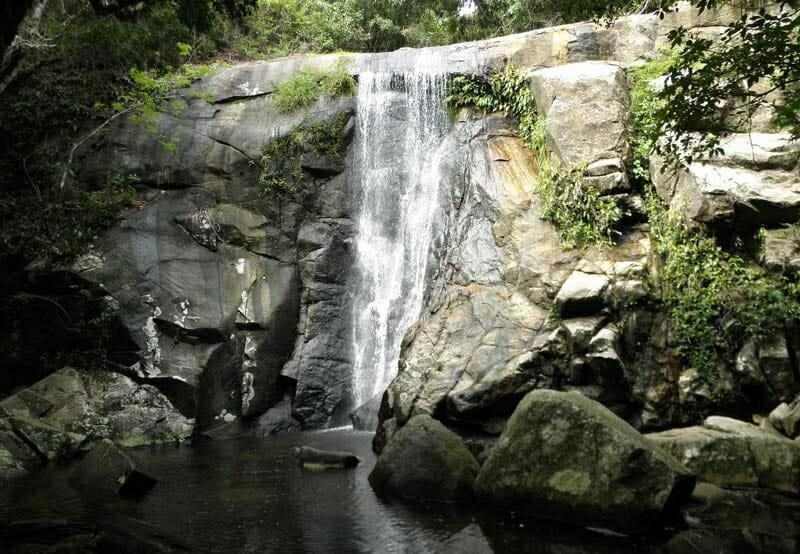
{"points": [[401, 146]]}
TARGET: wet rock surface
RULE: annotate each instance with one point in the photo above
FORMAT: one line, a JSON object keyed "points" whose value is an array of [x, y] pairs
{"points": [[110, 469], [311, 458]]}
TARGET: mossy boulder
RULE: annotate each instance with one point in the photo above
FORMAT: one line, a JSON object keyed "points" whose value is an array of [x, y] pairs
{"points": [[732, 453], [563, 456], [425, 461]]}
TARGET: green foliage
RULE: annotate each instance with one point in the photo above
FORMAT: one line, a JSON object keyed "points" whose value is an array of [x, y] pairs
{"points": [[281, 27], [152, 92], [645, 104], [743, 68], [502, 17], [281, 159], [716, 301], [58, 227], [581, 215], [310, 83], [505, 92], [85, 68], [203, 14]]}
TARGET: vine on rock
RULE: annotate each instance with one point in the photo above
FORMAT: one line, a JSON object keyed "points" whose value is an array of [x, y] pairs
{"points": [[580, 213]]}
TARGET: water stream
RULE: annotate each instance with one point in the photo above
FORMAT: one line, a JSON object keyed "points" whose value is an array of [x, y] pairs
{"points": [[401, 150]]}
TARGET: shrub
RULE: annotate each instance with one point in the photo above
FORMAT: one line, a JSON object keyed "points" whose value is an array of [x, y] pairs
{"points": [[282, 27], [310, 83], [281, 158], [58, 226], [645, 104], [715, 300]]}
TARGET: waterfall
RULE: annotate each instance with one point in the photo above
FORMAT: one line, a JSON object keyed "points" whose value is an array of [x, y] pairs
{"points": [[401, 146]]}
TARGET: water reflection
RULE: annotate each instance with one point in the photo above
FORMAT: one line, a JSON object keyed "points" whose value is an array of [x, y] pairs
{"points": [[248, 495]]}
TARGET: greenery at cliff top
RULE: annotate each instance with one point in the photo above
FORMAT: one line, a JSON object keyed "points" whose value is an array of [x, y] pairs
{"points": [[582, 216], [310, 83]]}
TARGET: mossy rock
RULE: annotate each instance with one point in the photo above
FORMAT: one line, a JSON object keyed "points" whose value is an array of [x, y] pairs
{"points": [[563, 456], [425, 461]]}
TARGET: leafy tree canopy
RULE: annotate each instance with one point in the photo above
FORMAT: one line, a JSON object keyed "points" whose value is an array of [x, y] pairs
{"points": [[197, 14], [713, 85]]}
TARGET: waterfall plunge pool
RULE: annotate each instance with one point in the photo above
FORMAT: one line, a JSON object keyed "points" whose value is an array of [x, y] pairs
{"points": [[249, 495]]}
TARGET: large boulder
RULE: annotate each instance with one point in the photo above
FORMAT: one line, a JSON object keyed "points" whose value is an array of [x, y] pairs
{"points": [[582, 294], [16, 457], [753, 181], [768, 364], [365, 417], [732, 453], [587, 119], [563, 456], [425, 461], [74, 407]]}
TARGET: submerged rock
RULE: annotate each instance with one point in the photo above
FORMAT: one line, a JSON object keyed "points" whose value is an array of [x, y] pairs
{"points": [[732, 453], [108, 468], [313, 458], [365, 417], [425, 461], [563, 456]]}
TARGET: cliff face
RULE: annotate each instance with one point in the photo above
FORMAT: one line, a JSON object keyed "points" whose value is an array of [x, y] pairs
{"points": [[238, 303]]}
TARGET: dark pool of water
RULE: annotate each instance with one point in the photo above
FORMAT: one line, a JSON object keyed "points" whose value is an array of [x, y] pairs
{"points": [[249, 495]]}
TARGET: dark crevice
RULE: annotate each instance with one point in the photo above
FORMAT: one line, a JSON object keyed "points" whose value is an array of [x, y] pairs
{"points": [[240, 98], [30, 444]]}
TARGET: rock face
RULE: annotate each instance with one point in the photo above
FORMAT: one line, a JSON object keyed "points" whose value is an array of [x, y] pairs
{"points": [[753, 182], [782, 250], [425, 461], [72, 409], [732, 453], [587, 120], [488, 339], [566, 457], [231, 295]]}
